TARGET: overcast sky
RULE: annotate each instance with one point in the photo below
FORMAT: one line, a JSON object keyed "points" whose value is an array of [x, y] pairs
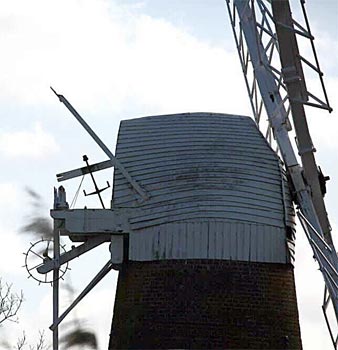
{"points": [[116, 60]]}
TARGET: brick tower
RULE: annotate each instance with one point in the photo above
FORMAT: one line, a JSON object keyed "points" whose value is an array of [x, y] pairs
{"points": [[209, 257]]}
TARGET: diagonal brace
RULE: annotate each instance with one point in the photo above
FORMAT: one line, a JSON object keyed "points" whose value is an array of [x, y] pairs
{"points": [[104, 148], [74, 253], [102, 273]]}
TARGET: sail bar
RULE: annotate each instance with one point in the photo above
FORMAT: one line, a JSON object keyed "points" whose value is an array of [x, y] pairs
{"points": [[263, 26], [84, 170], [295, 83]]}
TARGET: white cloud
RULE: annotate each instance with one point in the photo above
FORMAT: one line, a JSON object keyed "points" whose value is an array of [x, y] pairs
{"points": [[10, 199], [324, 126], [35, 143], [12, 245], [95, 54], [9, 194], [173, 71], [11, 254]]}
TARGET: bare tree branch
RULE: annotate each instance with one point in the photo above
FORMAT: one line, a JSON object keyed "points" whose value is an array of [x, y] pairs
{"points": [[21, 342], [10, 302], [40, 345]]}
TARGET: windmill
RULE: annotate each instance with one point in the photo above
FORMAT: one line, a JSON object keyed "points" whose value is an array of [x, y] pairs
{"points": [[261, 30]]}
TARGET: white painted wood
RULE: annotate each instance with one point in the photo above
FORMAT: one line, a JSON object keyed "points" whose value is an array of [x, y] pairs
{"points": [[117, 249], [210, 240], [214, 165], [86, 222], [217, 190]]}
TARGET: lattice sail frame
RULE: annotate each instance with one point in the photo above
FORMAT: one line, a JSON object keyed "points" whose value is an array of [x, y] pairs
{"points": [[267, 35], [255, 32]]}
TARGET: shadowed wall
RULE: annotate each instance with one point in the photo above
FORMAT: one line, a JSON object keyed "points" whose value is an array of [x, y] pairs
{"points": [[209, 304]]}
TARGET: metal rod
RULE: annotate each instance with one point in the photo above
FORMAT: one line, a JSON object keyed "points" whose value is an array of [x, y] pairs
{"points": [[303, 218], [56, 276], [310, 65], [105, 149], [97, 190], [328, 326], [316, 57], [102, 273], [292, 29]]}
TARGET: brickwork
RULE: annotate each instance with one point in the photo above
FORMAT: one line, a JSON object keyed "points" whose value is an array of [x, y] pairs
{"points": [[205, 304]]}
